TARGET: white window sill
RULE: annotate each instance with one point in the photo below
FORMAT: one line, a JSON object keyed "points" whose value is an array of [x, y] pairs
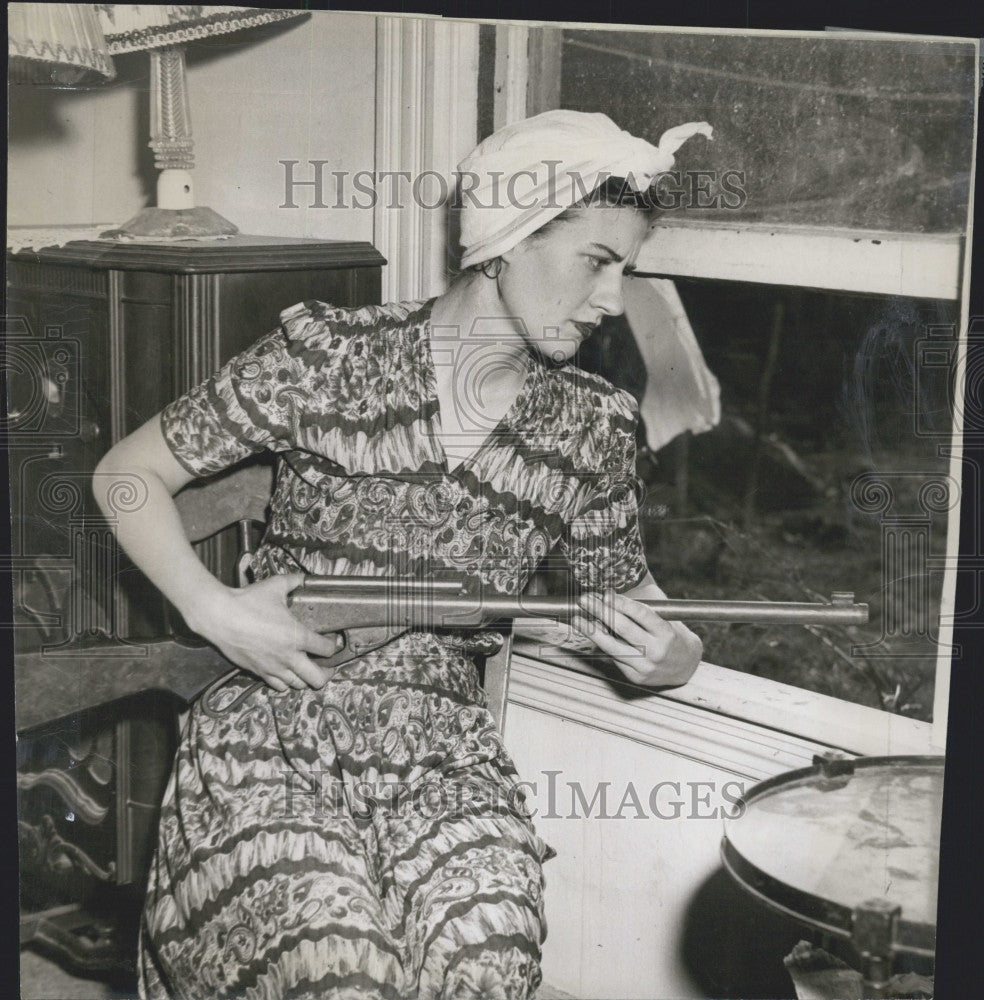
{"points": [[751, 725], [921, 265]]}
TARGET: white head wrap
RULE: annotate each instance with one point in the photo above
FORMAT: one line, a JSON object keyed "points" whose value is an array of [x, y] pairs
{"points": [[527, 173]]}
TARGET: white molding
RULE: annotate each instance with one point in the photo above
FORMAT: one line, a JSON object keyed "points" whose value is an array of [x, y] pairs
{"points": [[680, 729], [511, 74], [389, 121], [921, 265], [748, 724], [426, 120]]}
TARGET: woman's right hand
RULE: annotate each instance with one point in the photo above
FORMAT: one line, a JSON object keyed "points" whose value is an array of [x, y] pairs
{"points": [[253, 628]]}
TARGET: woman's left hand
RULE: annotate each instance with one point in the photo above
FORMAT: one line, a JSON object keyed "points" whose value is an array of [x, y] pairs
{"points": [[647, 649]]}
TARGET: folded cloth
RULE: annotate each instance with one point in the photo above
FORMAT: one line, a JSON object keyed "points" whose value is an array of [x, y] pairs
{"points": [[41, 237], [818, 975], [682, 393], [527, 173], [20, 238]]}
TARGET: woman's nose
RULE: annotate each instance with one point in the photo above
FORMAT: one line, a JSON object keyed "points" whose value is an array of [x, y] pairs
{"points": [[607, 293]]}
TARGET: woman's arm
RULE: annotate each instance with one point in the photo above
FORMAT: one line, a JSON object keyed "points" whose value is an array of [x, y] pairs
{"points": [[251, 625], [647, 649]]}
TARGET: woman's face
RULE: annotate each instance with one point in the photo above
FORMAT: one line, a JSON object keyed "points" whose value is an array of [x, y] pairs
{"points": [[562, 282]]}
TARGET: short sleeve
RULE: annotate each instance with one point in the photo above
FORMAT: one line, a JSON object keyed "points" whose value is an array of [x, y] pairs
{"points": [[250, 405], [604, 545]]}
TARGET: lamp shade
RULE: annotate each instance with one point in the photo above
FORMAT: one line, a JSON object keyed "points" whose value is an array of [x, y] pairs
{"points": [[144, 27], [56, 43]]}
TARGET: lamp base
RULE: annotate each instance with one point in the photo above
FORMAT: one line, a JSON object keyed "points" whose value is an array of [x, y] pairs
{"points": [[173, 224]]}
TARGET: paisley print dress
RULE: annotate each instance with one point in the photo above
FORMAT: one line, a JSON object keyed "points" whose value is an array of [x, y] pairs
{"points": [[370, 839]]}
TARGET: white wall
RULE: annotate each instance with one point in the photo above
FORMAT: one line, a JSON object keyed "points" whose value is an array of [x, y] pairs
{"points": [[72, 156], [618, 892], [306, 92]]}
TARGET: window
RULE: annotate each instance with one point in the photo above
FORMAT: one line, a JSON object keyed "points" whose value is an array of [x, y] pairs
{"points": [[826, 297]]}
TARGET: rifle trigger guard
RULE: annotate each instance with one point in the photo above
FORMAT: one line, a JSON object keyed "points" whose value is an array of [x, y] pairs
{"points": [[359, 641]]}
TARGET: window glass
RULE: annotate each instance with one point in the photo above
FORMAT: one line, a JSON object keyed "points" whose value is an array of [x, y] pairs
{"points": [[836, 131]]}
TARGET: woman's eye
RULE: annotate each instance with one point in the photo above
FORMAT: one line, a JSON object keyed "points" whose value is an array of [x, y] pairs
{"points": [[596, 263]]}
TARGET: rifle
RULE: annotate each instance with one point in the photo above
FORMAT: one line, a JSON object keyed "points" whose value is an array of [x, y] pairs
{"points": [[368, 611]]}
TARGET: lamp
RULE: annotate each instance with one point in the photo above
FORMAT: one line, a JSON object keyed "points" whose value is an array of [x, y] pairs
{"points": [[56, 43], [163, 31]]}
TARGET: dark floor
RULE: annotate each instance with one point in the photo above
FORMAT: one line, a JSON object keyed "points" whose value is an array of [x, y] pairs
{"points": [[42, 979]]}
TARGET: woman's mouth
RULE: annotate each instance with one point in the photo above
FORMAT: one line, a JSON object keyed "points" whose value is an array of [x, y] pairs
{"points": [[585, 329]]}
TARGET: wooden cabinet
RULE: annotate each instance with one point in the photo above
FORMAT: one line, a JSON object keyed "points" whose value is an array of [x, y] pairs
{"points": [[99, 337]]}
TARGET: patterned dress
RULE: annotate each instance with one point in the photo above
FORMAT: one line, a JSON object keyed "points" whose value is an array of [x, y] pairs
{"points": [[370, 839]]}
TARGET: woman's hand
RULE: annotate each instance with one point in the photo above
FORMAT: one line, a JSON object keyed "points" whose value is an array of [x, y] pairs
{"points": [[647, 649], [253, 627]]}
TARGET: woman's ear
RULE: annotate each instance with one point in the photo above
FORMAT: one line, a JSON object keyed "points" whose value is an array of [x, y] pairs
{"points": [[491, 268]]}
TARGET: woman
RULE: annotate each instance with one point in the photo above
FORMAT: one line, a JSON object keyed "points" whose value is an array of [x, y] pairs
{"points": [[307, 846]]}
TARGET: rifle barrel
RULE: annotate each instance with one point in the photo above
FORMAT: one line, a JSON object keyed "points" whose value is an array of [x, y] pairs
{"points": [[410, 604]]}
